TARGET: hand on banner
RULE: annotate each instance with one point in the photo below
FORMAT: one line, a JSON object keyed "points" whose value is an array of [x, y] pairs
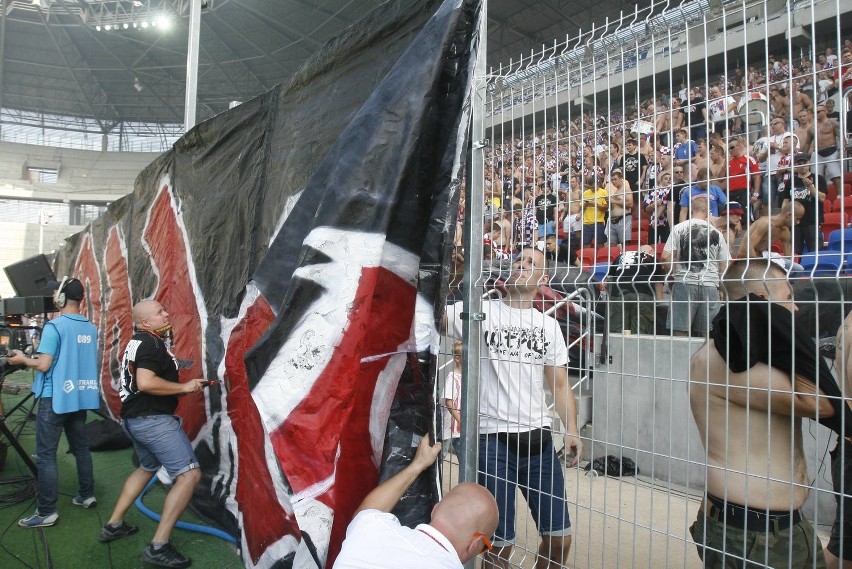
{"points": [[194, 385], [426, 454]]}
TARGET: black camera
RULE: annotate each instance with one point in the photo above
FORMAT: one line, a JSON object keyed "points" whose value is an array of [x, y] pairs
{"points": [[13, 338]]}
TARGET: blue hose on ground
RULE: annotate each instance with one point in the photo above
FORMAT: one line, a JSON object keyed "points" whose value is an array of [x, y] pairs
{"points": [[182, 525]]}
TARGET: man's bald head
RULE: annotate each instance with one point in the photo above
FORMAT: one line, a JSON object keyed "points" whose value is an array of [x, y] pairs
{"points": [[150, 315], [467, 509]]}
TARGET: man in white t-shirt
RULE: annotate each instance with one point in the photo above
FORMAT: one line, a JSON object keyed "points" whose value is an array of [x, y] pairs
{"points": [[458, 530], [521, 349]]}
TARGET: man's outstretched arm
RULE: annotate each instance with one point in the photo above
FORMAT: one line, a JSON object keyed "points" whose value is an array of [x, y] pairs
{"points": [[385, 496]]}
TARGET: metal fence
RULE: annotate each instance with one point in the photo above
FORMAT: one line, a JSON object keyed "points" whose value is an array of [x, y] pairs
{"points": [[648, 201]]}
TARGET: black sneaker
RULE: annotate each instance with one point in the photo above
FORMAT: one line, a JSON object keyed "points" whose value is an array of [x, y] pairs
{"points": [[166, 556], [109, 533]]}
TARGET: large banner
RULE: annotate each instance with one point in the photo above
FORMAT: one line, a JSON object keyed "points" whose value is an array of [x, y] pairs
{"points": [[300, 244]]}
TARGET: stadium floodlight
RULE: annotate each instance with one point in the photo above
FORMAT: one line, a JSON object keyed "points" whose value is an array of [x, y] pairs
{"points": [[144, 25], [107, 27], [162, 21], [98, 27], [125, 25]]}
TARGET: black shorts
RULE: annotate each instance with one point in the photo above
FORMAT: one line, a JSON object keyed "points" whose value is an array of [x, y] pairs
{"points": [[841, 481]]}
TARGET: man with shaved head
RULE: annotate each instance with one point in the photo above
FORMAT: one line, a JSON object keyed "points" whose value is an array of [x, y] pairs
{"points": [[457, 532], [149, 396]]}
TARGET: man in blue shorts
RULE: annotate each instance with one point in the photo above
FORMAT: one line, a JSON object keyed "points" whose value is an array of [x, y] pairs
{"points": [[522, 348], [149, 396]]}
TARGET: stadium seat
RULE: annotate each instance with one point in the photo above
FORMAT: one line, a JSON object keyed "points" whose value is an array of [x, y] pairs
{"points": [[830, 193], [844, 206], [607, 254], [777, 247], [638, 236], [847, 188], [587, 257], [821, 264], [840, 239], [600, 270], [833, 222], [828, 205], [658, 250]]}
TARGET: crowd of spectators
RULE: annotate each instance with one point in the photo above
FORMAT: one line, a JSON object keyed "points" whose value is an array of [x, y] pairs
{"points": [[739, 140]]}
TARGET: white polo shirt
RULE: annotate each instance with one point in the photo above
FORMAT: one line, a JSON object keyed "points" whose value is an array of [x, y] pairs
{"points": [[376, 540]]}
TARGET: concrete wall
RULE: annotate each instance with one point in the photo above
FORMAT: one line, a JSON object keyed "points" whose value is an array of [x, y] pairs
{"points": [[84, 175], [640, 409]]}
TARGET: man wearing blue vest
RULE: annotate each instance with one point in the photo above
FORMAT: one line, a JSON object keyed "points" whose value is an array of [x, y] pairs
{"points": [[66, 385]]}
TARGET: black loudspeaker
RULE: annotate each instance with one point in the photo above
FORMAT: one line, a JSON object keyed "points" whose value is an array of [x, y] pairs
{"points": [[30, 276]]}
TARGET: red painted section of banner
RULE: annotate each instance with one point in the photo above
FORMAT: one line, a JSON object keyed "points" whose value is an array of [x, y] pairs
{"points": [[174, 291], [86, 269], [117, 326], [338, 407], [264, 520]]}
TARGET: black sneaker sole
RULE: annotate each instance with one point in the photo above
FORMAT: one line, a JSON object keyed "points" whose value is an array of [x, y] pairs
{"points": [[147, 559], [106, 539]]}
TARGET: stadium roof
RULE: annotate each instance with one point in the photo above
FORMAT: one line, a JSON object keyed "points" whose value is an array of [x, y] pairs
{"points": [[123, 61]]}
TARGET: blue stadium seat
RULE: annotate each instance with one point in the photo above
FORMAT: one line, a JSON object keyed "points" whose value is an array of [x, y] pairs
{"points": [[822, 264], [840, 239]]}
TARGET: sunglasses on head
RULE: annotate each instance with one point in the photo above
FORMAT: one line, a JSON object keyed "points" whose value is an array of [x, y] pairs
{"points": [[486, 543]]}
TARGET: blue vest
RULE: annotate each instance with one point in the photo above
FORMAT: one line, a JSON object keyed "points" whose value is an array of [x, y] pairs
{"points": [[72, 380]]}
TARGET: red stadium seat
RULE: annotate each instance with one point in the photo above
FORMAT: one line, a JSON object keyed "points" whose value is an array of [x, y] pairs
{"points": [[587, 257], [658, 250], [845, 205], [847, 189], [834, 221], [607, 254], [777, 247], [830, 193], [828, 205]]}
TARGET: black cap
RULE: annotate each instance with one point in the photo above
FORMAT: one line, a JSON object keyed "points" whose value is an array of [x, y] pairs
{"points": [[801, 157], [73, 289]]}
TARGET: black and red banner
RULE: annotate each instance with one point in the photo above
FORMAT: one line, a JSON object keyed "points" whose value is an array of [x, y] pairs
{"points": [[299, 243]]}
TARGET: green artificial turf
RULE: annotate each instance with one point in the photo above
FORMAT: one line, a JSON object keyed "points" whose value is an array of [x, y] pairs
{"points": [[72, 543]]}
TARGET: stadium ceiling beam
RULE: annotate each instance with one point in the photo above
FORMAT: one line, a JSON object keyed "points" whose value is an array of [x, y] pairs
{"points": [[535, 39], [129, 70], [84, 79], [560, 13], [286, 31], [328, 13], [216, 64], [2, 48], [242, 60]]}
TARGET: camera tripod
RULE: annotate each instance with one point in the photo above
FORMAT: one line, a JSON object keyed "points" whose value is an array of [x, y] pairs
{"points": [[8, 434]]}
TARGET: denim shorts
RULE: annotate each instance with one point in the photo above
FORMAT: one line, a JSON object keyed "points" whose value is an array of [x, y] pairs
{"points": [[540, 479], [841, 478], [159, 441]]}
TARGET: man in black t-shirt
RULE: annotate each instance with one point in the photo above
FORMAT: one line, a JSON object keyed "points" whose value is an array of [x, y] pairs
{"points": [[633, 164], [149, 396], [545, 210], [801, 187]]}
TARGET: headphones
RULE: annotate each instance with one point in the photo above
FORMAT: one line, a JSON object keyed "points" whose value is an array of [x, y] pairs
{"points": [[59, 296]]}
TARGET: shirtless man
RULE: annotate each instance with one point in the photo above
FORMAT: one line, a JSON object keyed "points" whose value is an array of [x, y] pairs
{"points": [[805, 131], [780, 103], [753, 493], [768, 229], [620, 223], [801, 101], [718, 166], [826, 157]]}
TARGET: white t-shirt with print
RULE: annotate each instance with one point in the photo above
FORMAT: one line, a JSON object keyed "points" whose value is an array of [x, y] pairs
{"points": [[516, 345]]}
